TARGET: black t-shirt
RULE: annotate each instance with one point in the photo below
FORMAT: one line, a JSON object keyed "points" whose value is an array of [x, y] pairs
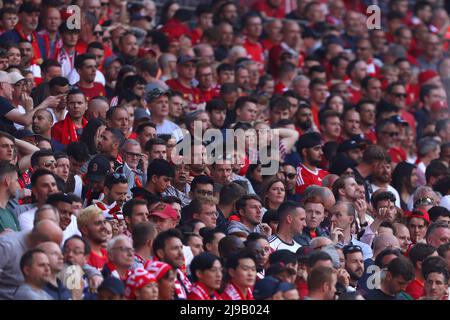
{"points": [[377, 294], [5, 108]]}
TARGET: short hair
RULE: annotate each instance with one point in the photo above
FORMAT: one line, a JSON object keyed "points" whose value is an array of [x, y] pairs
{"points": [[374, 153], [87, 215], [201, 179], [39, 173], [6, 168], [438, 211], [113, 241], [216, 104], [435, 168], [114, 178], [40, 154], [403, 267], [386, 252], [242, 101], [142, 233], [202, 262], [47, 64], [233, 259], [434, 226], [420, 252], [118, 136], [425, 145], [160, 241], [443, 249], [228, 88], [231, 192], [87, 247], [54, 198], [75, 91], [437, 265], [319, 276], [159, 168], [287, 208], [382, 196], [279, 102], [140, 128], [425, 91], [79, 60], [128, 207], [6, 135], [95, 45], [242, 201], [154, 142], [59, 82], [44, 208], [224, 67], [318, 256], [27, 258]]}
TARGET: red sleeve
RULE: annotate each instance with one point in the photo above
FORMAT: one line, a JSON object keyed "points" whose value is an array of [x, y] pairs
{"points": [[415, 290], [57, 131]]}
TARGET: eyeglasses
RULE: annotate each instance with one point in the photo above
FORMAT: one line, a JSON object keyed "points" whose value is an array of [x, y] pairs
{"points": [[204, 192], [133, 155], [424, 202], [75, 252], [400, 95], [351, 248], [98, 33], [391, 134]]}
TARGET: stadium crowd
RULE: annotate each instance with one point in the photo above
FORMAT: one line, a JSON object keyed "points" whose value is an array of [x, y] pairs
{"points": [[98, 202]]}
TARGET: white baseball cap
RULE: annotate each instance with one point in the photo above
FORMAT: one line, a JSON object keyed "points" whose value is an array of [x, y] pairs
{"points": [[5, 77], [15, 77]]}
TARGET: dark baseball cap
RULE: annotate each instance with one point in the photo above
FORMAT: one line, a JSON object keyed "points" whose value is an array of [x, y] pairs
{"points": [[266, 288], [99, 167], [116, 286], [399, 120], [185, 59], [355, 142]]}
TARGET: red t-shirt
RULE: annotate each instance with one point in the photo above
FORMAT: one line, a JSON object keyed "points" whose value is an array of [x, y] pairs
{"points": [[255, 51], [306, 177], [191, 94], [415, 289], [97, 90], [98, 261]]}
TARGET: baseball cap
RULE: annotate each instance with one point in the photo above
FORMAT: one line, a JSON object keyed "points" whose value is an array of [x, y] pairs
{"points": [[421, 214], [426, 75], [399, 120], [167, 212], [6, 77], [141, 113], [266, 288], [28, 7], [138, 279], [98, 168], [154, 94], [114, 285], [309, 140], [16, 77], [185, 59], [110, 60]]}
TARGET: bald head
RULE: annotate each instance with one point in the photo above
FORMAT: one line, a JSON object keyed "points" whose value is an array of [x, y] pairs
{"points": [[319, 242], [230, 245], [46, 230], [45, 113], [97, 108], [383, 241]]}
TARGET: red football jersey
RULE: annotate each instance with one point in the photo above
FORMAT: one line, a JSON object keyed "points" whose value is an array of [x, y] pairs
{"points": [[306, 177]]}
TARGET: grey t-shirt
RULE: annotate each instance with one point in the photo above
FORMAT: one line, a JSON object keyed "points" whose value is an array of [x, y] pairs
{"points": [[12, 247], [27, 292]]}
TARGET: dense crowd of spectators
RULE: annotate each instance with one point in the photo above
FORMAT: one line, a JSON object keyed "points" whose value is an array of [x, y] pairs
{"points": [[115, 182]]}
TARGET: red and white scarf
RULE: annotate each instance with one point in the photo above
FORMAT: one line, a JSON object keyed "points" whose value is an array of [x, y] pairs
{"points": [[182, 285], [113, 211], [199, 292], [231, 292]]}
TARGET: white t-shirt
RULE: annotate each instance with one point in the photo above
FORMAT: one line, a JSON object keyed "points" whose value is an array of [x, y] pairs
{"points": [[72, 229], [26, 219], [277, 244], [168, 127]]}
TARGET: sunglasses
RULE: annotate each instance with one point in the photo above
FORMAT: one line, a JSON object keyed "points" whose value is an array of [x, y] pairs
{"points": [[390, 134], [98, 33], [400, 95], [351, 249], [424, 202]]}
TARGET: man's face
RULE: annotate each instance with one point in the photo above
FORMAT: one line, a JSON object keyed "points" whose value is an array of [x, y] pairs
{"points": [[436, 285], [139, 214], [354, 264], [351, 189], [252, 212], [374, 91], [129, 46], [304, 118], [160, 107], [205, 77], [52, 19], [147, 134], [45, 186], [247, 113], [118, 193], [390, 207], [47, 162], [254, 27], [397, 284], [417, 228], [132, 154], [202, 190], [76, 106], [39, 272], [13, 184], [439, 237], [217, 118], [339, 216], [158, 151], [106, 143], [290, 173], [55, 257], [226, 77], [7, 91], [29, 20], [383, 172], [6, 149], [367, 114], [208, 215], [206, 20], [70, 39], [389, 136], [42, 122], [176, 106], [355, 154], [96, 230], [172, 253], [403, 238], [315, 214], [88, 70], [360, 71], [299, 221], [99, 54], [351, 123], [332, 127], [161, 183], [120, 120], [186, 71], [278, 114], [398, 96], [319, 94], [74, 252], [65, 214], [9, 21], [314, 155], [245, 273], [122, 254], [222, 173]]}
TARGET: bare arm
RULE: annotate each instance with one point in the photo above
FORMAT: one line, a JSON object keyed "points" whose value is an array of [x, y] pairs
{"points": [[288, 136], [27, 150], [27, 118]]}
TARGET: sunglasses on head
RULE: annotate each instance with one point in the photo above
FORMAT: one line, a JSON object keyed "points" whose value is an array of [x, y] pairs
{"points": [[424, 202], [351, 249]]}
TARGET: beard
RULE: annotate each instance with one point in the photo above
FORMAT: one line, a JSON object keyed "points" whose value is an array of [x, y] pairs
{"points": [[305, 125], [354, 275]]}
